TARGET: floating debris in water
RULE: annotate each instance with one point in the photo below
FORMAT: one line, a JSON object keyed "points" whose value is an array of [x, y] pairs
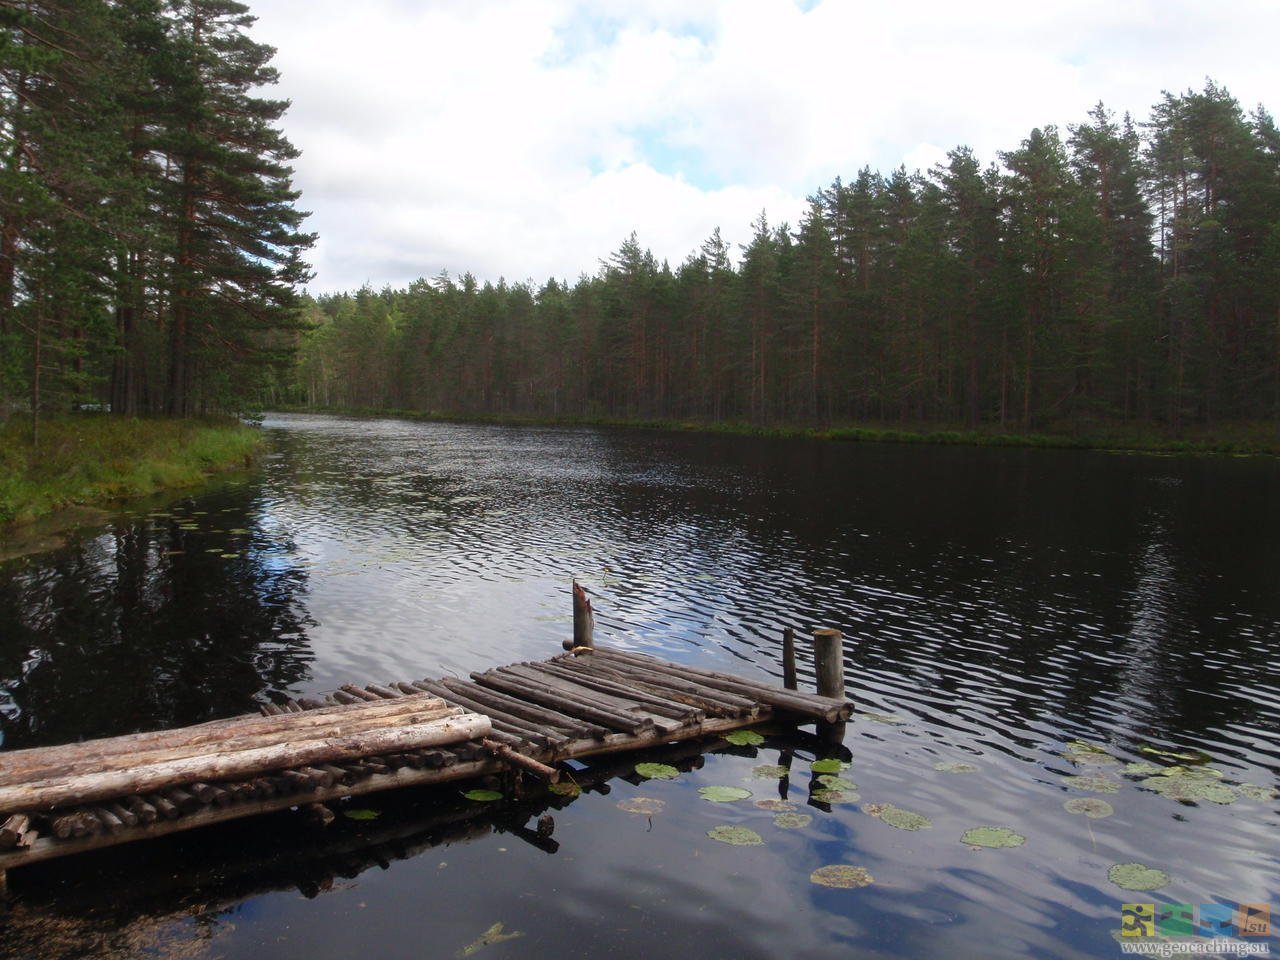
{"points": [[829, 765], [792, 821], [483, 796], [835, 796], [646, 806], [994, 837], [718, 794], [954, 766], [1082, 753], [1186, 756], [769, 771], [833, 782], [736, 836], [898, 817], [744, 738], [1094, 783], [841, 876], [776, 805], [892, 719], [1091, 807], [1137, 876], [657, 771], [361, 814], [491, 936]]}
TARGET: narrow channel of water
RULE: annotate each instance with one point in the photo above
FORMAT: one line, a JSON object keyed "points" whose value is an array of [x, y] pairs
{"points": [[999, 604]]}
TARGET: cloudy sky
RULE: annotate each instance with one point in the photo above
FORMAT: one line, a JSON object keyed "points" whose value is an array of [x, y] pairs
{"points": [[527, 139]]}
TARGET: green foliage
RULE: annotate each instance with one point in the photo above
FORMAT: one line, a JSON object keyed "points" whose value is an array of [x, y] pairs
{"points": [[841, 876], [657, 771], [481, 795], [1137, 876], [90, 459], [721, 794], [744, 738]]}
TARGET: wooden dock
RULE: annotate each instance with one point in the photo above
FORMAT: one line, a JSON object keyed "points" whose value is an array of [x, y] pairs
{"points": [[520, 720]]}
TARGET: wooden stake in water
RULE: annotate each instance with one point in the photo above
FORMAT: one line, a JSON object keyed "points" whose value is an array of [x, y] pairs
{"points": [[828, 660], [789, 658], [584, 621]]}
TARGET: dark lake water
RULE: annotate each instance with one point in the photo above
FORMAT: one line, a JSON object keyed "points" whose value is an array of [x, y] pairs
{"points": [[998, 605]]}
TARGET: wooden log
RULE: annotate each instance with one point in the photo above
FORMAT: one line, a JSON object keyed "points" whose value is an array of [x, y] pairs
{"points": [[184, 800], [144, 811], [39, 795], [345, 698], [310, 703], [76, 823], [122, 813], [812, 706], [655, 704], [270, 710], [828, 659], [542, 717], [714, 703], [584, 619], [292, 706], [508, 721], [164, 806], [789, 658], [350, 723], [13, 830], [23, 763], [355, 691], [542, 694], [385, 693], [299, 780], [108, 819], [528, 764], [319, 814], [625, 707]]}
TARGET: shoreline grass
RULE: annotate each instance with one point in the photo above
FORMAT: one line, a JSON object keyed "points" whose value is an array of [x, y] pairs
{"points": [[92, 459], [1236, 439]]}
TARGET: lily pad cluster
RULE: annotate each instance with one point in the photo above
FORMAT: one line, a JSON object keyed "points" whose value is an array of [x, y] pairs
{"points": [[1082, 753], [829, 765], [792, 821], [1191, 785], [1093, 783], [744, 738], [842, 876], [769, 771]]}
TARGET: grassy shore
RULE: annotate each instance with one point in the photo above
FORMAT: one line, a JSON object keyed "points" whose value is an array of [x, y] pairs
{"points": [[1238, 439], [91, 459]]}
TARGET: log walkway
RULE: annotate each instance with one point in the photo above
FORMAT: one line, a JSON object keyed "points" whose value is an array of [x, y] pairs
{"points": [[524, 719]]}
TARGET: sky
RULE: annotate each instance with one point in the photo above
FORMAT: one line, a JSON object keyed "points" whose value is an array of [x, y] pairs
{"points": [[526, 140]]}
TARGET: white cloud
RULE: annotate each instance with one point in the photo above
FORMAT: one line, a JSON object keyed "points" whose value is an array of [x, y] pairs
{"points": [[528, 138]]}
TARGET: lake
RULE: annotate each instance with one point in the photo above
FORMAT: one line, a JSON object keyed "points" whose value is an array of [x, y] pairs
{"points": [[1044, 620]]}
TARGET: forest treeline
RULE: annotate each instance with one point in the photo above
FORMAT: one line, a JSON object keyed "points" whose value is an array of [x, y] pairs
{"points": [[150, 247], [1123, 271]]}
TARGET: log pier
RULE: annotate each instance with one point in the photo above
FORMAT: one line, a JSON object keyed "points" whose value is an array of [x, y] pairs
{"points": [[521, 720]]}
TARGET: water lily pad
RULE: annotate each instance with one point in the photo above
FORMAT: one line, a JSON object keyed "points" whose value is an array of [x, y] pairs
{"points": [[769, 771], [830, 765], [744, 738], [565, 788], [229, 556], [657, 771], [954, 766], [720, 794], [1191, 789], [842, 876], [1094, 784], [792, 821], [361, 814], [1143, 769], [898, 817], [1257, 792], [1091, 807], [835, 796], [736, 836], [1137, 876], [892, 719], [647, 806], [483, 796], [778, 806], [992, 837], [1083, 753], [833, 782]]}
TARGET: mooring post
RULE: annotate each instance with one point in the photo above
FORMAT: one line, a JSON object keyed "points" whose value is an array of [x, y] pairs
{"points": [[789, 658], [584, 621], [828, 659]]}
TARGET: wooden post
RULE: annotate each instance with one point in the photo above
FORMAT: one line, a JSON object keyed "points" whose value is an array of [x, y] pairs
{"points": [[828, 659], [789, 658], [584, 621]]}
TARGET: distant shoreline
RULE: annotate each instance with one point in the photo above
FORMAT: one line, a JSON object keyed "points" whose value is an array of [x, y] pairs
{"points": [[1243, 439]]}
